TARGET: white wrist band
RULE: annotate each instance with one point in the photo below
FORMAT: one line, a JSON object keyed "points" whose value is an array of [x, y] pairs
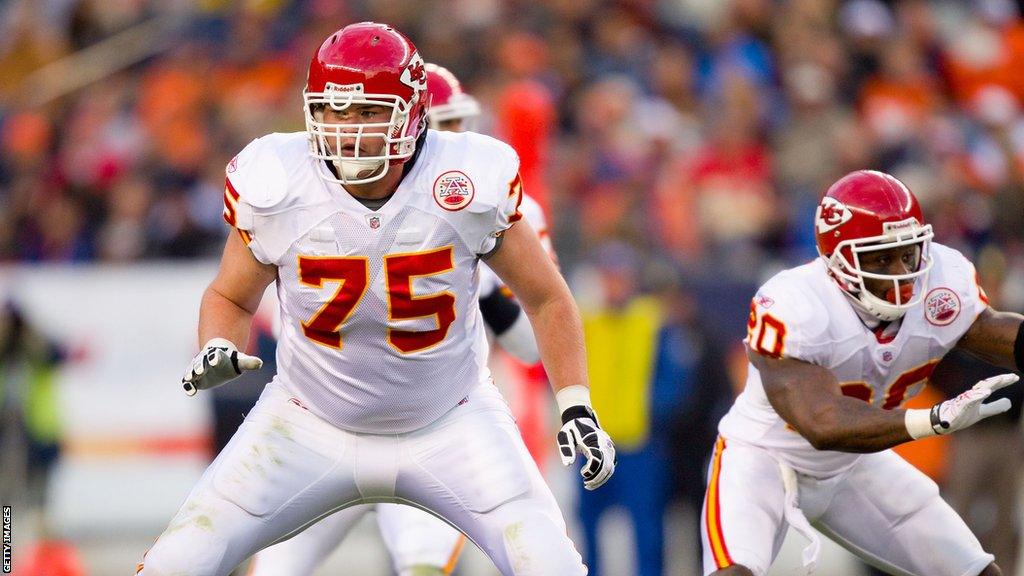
{"points": [[575, 395], [919, 423], [220, 343]]}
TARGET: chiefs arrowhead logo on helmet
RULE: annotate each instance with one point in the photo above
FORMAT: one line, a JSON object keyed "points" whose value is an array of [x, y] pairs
{"points": [[831, 214], [415, 74]]}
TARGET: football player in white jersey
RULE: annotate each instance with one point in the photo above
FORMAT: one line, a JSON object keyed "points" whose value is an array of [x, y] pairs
{"points": [[419, 543], [372, 229], [835, 347]]}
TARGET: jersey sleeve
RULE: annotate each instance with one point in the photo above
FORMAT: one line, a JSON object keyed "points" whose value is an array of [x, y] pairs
{"points": [[955, 293], [255, 182], [496, 208], [786, 322], [976, 300]]}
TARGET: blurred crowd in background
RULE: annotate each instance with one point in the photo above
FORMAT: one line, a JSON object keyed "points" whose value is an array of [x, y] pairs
{"points": [[679, 147], [698, 131]]}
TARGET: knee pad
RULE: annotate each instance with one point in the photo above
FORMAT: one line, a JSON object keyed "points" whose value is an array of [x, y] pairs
{"points": [[537, 547]]}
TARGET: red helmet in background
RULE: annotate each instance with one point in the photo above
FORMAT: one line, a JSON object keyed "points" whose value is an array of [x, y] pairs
{"points": [[868, 211], [447, 100], [365, 63]]}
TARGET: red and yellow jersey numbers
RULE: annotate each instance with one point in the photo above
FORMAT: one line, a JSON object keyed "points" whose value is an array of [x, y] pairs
{"points": [[353, 277], [766, 334], [896, 392]]}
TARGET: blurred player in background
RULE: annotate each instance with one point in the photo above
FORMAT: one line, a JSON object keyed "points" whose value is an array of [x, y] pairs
{"points": [[835, 347], [372, 228], [419, 543]]}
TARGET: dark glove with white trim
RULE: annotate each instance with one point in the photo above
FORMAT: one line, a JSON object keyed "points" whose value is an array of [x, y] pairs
{"points": [[581, 433], [217, 363]]}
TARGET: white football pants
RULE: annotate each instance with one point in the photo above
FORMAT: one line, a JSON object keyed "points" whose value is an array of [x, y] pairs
{"points": [[286, 468], [882, 509]]}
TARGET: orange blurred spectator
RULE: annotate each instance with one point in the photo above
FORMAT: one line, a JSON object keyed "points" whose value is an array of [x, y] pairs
{"points": [[172, 98], [525, 111], [898, 98], [26, 138], [722, 194], [987, 51], [51, 558]]}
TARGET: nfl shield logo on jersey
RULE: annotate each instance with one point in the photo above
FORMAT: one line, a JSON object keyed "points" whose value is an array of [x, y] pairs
{"points": [[373, 220], [941, 306], [453, 190]]}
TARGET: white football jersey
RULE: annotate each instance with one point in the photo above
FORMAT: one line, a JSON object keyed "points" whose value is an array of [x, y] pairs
{"points": [[802, 313], [380, 327], [534, 214]]}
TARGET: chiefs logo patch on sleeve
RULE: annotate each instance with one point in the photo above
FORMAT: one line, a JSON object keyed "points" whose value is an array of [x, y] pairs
{"points": [[453, 190], [941, 306]]}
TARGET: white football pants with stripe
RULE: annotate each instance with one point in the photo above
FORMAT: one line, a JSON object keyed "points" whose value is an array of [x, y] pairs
{"points": [[882, 509]]}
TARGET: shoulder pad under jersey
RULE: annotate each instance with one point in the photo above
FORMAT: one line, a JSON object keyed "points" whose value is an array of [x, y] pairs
{"points": [[491, 169], [788, 315]]}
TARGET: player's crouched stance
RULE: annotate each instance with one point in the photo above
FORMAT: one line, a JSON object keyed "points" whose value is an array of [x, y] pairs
{"points": [[372, 229], [835, 348]]}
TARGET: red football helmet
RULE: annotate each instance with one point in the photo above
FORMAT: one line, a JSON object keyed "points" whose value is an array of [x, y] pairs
{"points": [[365, 63], [447, 100], [867, 211]]}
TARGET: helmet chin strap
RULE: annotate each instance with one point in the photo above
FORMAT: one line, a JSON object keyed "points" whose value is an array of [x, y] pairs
{"points": [[878, 308], [864, 301], [852, 283], [353, 169]]}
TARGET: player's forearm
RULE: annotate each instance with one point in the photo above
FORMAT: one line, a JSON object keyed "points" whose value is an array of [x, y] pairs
{"points": [[559, 331], [993, 338], [219, 317], [850, 425]]}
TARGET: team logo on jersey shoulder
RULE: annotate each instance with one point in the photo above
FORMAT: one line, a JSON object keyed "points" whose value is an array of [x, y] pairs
{"points": [[453, 190], [233, 165], [941, 306], [764, 301]]}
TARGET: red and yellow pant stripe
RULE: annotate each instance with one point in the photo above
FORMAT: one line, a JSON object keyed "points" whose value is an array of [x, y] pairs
{"points": [[453, 559], [713, 512]]}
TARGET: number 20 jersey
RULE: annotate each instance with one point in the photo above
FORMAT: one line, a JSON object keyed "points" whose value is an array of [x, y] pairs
{"points": [[801, 313], [380, 327]]}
